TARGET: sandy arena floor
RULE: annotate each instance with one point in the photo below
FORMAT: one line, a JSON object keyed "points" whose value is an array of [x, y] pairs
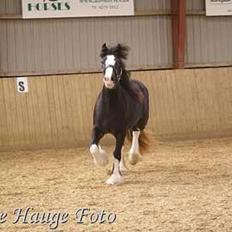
{"points": [[180, 186]]}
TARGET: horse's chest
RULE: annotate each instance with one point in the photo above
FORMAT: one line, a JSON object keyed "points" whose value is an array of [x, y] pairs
{"points": [[112, 119]]}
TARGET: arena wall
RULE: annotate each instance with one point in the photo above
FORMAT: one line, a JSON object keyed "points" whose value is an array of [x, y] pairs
{"points": [[57, 110]]}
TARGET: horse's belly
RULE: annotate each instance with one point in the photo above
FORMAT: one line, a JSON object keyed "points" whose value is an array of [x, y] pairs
{"points": [[112, 124], [134, 117]]}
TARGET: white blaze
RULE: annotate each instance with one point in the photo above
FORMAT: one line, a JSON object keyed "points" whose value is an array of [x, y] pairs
{"points": [[110, 60], [108, 73]]}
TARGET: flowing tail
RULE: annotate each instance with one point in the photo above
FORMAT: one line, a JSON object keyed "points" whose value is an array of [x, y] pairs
{"points": [[144, 140]]}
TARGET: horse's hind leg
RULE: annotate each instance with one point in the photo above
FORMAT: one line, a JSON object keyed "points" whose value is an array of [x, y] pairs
{"points": [[134, 152], [99, 155], [116, 177]]}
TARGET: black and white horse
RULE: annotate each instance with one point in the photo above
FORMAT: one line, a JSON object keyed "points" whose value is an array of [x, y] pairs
{"points": [[122, 109]]}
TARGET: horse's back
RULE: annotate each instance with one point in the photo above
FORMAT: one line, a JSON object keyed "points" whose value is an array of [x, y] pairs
{"points": [[139, 86]]}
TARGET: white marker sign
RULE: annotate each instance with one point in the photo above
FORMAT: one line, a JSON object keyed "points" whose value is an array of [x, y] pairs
{"points": [[22, 85], [76, 8], [218, 7]]}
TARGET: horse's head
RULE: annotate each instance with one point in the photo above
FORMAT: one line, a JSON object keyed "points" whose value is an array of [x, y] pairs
{"points": [[112, 64]]}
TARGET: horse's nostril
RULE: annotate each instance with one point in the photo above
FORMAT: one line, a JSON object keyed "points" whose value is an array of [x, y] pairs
{"points": [[107, 78]]}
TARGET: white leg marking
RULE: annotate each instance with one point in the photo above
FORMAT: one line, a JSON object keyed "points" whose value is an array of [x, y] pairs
{"points": [[116, 177], [134, 153], [99, 155], [122, 166]]}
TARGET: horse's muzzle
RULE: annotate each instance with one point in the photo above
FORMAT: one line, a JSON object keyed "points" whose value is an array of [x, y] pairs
{"points": [[109, 84]]}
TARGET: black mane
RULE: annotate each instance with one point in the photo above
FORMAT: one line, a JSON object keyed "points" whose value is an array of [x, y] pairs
{"points": [[120, 51]]}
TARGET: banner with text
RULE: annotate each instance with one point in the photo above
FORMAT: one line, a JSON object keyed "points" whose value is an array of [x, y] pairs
{"points": [[218, 7], [76, 8]]}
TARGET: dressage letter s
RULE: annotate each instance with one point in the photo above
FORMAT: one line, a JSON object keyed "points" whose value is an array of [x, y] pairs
{"points": [[21, 86]]}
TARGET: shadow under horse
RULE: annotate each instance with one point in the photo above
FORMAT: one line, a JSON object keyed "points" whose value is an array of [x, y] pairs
{"points": [[121, 109]]}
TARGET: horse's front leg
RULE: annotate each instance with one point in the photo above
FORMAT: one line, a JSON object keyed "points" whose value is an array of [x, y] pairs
{"points": [[122, 165], [99, 155], [116, 177]]}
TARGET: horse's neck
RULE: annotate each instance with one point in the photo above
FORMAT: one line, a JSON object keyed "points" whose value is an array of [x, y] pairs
{"points": [[111, 93], [112, 97], [125, 79]]}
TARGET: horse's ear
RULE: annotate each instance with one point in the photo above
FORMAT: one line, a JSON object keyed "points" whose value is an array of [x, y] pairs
{"points": [[104, 51], [118, 46], [122, 51], [104, 46]]}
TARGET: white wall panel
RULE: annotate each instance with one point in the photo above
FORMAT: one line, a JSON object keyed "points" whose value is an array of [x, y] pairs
{"points": [[73, 45], [208, 41], [195, 5]]}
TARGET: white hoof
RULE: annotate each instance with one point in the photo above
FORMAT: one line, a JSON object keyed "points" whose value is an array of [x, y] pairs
{"points": [[134, 158], [115, 179], [99, 155]]}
